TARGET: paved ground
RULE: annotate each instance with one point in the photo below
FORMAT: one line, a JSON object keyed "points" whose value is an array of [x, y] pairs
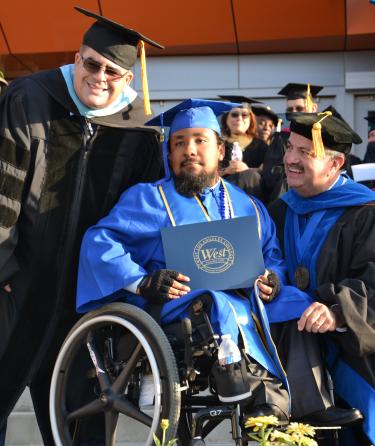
{"points": [[23, 430]]}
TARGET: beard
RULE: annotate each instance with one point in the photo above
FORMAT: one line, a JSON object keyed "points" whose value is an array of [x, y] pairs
{"points": [[190, 184]]}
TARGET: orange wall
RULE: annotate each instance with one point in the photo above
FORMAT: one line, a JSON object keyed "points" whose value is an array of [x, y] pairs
{"points": [[43, 33]]}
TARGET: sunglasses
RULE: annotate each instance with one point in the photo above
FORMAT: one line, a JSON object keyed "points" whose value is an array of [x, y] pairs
{"points": [[93, 67], [237, 114], [298, 109]]}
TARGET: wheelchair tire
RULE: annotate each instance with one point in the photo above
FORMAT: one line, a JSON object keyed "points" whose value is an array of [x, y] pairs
{"points": [[87, 349]]}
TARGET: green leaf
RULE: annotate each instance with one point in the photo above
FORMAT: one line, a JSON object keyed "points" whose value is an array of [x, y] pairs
{"points": [[172, 442], [156, 440]]}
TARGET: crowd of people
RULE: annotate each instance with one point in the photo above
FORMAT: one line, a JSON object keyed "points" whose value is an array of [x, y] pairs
{"points": [[86, 186]]}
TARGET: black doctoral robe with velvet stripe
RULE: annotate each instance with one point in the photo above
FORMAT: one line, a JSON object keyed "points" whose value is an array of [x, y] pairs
{"points": [[346, 276], [59, 174]]}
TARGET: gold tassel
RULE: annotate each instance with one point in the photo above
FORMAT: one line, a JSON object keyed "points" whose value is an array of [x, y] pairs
{"points": [[316, 131], [309, 101], [146, 97]]}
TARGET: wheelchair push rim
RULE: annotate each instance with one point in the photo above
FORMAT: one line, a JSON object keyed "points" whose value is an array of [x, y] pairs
{"points": [[112, 400]]}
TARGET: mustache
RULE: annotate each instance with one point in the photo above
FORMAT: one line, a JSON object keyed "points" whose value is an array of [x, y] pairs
{"points": [[295, 166], [187, 161]]}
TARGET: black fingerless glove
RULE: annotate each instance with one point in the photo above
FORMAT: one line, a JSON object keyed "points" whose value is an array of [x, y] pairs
{"points": [[274, 283], [155, 286]]}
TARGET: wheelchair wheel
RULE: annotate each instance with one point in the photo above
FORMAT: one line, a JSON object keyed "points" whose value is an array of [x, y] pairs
{"points": [[97, 394]]}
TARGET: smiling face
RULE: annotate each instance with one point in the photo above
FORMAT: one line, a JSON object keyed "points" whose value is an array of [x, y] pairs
{"points": [[195, 152], [238, 121], [96, 90], [307, 174]]}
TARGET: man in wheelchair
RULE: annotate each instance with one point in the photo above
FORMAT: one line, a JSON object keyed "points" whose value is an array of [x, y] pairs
{"points": [[122, 259]]}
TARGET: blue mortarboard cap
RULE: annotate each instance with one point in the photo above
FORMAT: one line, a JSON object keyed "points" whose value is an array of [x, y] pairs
{"points": [[190, 114], [193, 113]]}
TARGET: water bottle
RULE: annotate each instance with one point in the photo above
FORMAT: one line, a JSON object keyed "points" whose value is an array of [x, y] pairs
{"points": [[236, 154], [228, 351]]}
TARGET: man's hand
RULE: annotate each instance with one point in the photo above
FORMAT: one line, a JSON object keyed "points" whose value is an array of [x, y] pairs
{"points": [[269, 285], [317, 318], [7, 288], [162, 285]]}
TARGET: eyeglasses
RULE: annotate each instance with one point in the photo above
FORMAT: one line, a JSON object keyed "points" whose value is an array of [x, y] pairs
{"points": [[244, 115], [93, 67]]}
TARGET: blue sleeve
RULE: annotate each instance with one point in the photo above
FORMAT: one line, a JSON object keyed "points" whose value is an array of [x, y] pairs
{"points": [[122, 247]]}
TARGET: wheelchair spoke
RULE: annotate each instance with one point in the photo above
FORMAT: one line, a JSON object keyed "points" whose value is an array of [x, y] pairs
{"points": [[111, 418], [127, 408], [89, 409], [122, 380], [101, 373]]}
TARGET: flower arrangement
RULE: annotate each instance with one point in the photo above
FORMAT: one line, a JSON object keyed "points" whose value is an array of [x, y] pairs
{"points": [[264, 432], [164, 424]]}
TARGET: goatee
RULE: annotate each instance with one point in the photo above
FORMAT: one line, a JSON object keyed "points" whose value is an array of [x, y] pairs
{"points": [[190, 184]]}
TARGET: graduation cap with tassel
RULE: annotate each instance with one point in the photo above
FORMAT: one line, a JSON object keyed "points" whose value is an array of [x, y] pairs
{"points": [[324, 130], [120, 45], [301, 91]]}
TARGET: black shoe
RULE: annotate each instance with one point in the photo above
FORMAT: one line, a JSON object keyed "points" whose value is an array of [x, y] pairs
{"points": [[333, 416], [232, 382], [265, 410]]}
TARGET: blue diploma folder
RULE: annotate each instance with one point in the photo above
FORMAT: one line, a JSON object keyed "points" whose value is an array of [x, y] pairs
{"points": [[217, 255]]}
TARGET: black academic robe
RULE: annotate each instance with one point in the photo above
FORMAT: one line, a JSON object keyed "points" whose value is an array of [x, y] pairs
{"points": [[253, 154], [60, 173], [346, 276], [274, 182]]}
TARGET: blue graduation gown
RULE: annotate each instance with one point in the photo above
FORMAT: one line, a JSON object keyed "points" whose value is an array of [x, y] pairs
{"points": [[126, 245]]}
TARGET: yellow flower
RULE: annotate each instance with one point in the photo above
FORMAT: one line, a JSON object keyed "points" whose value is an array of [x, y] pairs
{"points": [[300, 429], [261, 422], [277, 435], [306, 441], [164, 424]]}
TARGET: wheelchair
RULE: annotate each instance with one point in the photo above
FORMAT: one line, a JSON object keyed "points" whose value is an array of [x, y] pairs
{"points": [[112, 354], [103, 363]]}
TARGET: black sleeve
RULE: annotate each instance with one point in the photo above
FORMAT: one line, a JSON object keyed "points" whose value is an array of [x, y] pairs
{"points": [[14, 164], [277, 211], [346, 275]]}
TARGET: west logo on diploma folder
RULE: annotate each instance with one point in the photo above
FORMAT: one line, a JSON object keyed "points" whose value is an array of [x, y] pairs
{"points": [[217, 255]]}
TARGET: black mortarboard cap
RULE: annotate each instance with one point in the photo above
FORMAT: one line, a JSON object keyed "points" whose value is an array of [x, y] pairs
{"points": [[371, 120], [336, 134], [240, 99], [299, 91], [337, 115], [118, 44], [113, 41], [265, 110]]}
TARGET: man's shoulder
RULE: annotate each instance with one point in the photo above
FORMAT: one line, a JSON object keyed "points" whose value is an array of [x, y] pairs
{"points": [[143, 189], [38, 88], [41, 80], [131, 117], [366, 210]]}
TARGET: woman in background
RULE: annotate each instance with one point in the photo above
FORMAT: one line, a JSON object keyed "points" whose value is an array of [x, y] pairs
{"points": [[239, 130], [240, 125]]}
